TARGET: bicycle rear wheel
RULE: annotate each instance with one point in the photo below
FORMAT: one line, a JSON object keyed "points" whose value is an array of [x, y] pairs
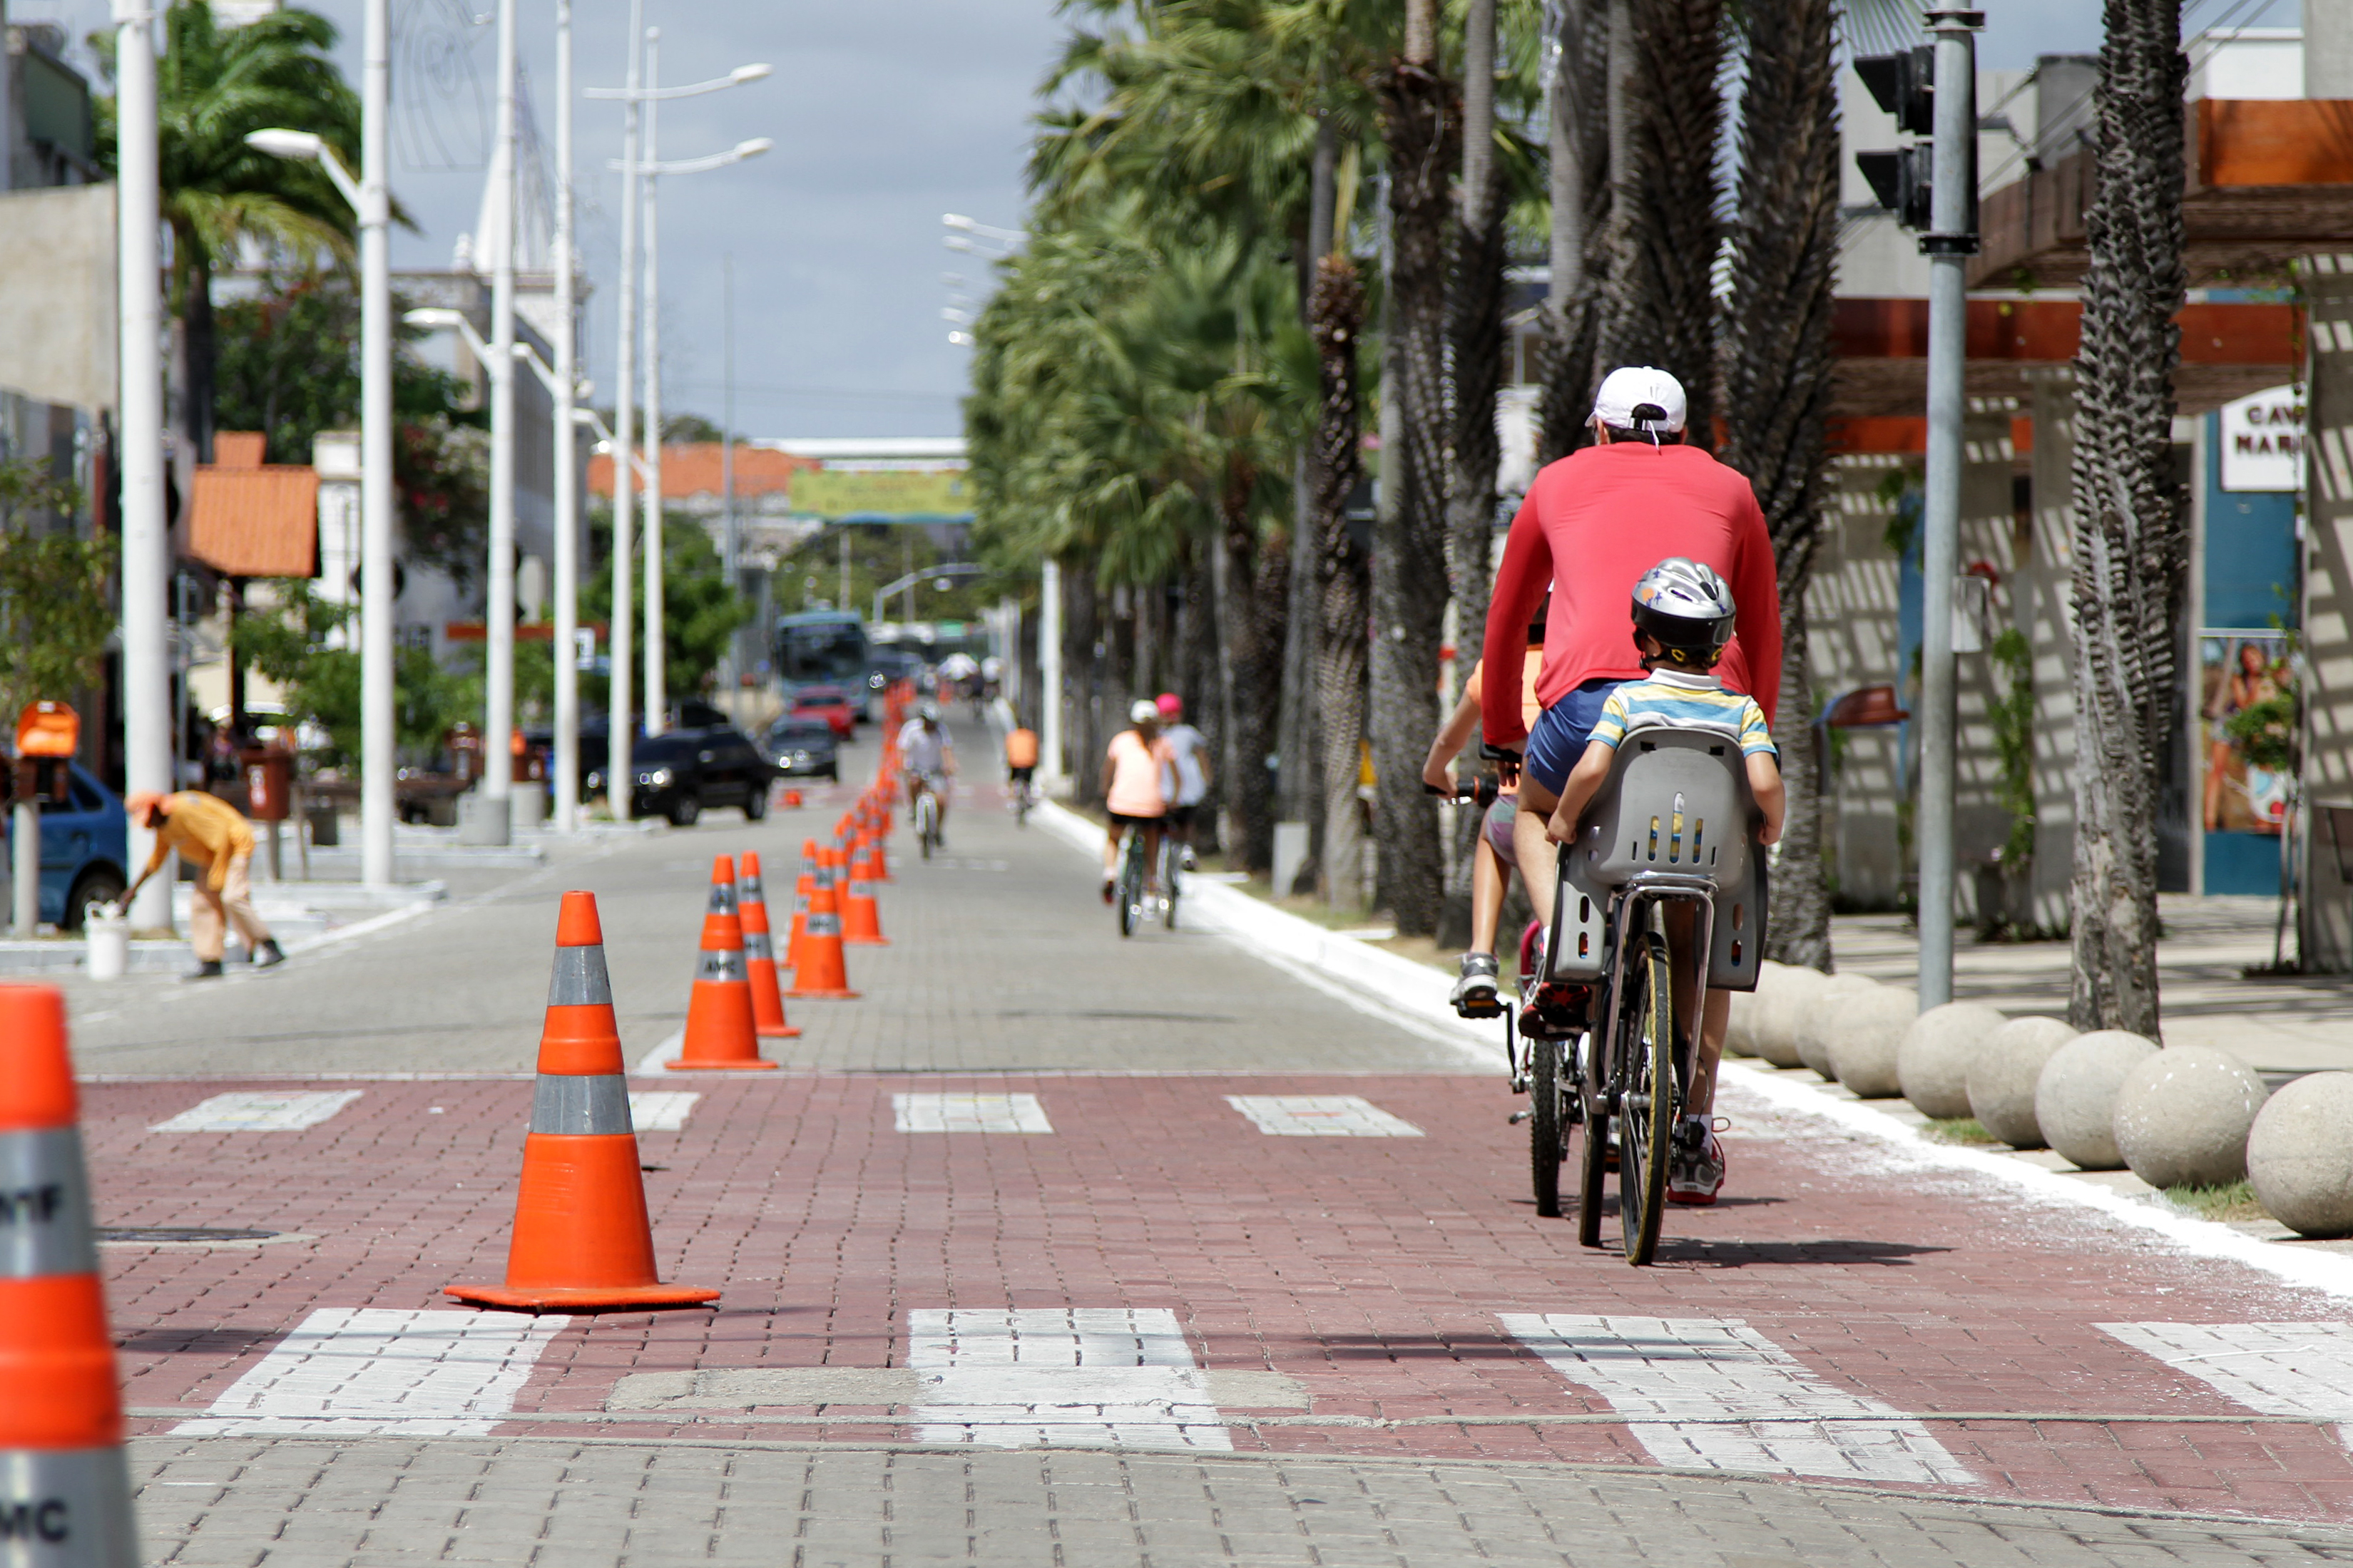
{"points": [[1648, 1049], [1170, 859], [1547, 1123], [926, 813]]}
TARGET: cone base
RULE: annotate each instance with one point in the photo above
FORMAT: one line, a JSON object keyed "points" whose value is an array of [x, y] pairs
{"points": [[579, 1298], [866, 942], [682, 1065], [833, 995], [789, 1032]]}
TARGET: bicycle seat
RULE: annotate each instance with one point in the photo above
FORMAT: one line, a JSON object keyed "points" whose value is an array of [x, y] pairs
{"points": [[1675, 814]]}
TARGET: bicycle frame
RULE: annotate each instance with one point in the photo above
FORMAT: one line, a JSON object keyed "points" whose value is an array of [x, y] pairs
{"points": [[1629, 904]]}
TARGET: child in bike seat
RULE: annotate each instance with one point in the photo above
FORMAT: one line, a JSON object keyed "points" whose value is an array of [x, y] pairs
{"points": [[1684, 617]]}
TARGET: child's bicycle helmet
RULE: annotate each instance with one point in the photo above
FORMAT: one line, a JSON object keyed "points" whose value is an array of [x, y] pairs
{"points": [[1686, 607]]}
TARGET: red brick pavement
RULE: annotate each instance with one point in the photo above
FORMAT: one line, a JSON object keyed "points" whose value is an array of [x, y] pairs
{"points": [[1369, 1269]]}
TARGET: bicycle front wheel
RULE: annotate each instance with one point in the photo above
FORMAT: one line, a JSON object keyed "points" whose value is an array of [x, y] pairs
{"points": [[1649, 1099], [1168, 889], [1131, 893], [1547, 1123]]}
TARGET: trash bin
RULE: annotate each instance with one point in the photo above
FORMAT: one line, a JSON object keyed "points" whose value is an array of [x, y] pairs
{"points": [[268, 775]]}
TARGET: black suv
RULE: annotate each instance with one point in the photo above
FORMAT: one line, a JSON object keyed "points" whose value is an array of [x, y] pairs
{"points": [[680, 773]]}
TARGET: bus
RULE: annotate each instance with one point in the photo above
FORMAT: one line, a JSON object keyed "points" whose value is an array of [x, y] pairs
{"points": [[822, 648]]}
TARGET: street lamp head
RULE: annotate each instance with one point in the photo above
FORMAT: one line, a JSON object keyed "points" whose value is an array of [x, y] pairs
{"points": [[588, 416], [279, 144], [751, 73], [754, 147], [435, 316], [957, 220]]}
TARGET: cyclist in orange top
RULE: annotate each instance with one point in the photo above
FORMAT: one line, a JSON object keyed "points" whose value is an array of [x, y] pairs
{"points": [[1494, 856], [1134, 795], [1020, 757]]}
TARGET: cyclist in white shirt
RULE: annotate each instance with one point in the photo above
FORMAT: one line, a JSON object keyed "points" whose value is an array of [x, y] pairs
{"points": [[1192, 771], [927, 760]]}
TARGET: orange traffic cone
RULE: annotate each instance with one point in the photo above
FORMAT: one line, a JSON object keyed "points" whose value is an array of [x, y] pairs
{"points": [[878, 863], [582, 1241], [722, 1030], [759, 957], [792, 800], [65, 1492], [802, 889], [822, 970], [862, 917]]}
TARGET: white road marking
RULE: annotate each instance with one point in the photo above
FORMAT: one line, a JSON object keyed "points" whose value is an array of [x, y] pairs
{"points": [[2272, 1368], [1060, 1377], [352, 1371], [656, 1061], [259, 1111], [1693, 1390], [955, 1113], [661, 1109], [1320, 1116]]}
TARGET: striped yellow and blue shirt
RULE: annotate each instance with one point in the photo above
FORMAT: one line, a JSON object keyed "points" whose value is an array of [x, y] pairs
{"points": [[1674, 699]]}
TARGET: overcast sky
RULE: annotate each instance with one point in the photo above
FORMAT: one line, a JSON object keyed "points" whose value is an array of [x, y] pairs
{"points": [[886, 114]]}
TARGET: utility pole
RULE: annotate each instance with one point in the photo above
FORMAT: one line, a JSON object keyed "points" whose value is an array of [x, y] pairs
{"points": [[492, 811], [733, 668], [621, 770], [1050, 669], [567, 447], [147, 719], [657, 648], [379, 732]]}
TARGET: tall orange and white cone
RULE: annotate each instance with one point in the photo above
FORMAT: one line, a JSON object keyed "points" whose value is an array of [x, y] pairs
{"points": [[760, 955], [802, 891], [823, 970], [721, 1031], [862, 916], [65, 1492], [582, 1240]]}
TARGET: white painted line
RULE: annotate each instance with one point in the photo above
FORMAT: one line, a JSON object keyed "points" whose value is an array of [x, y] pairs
{"points": [[355, 1369], [1693, 1391], [1320, 1116], [1060, 1377], [2272, 1368], [655, 1064], [1903, 1151], [958, 1113], [661, 1109], [259, 1111]]}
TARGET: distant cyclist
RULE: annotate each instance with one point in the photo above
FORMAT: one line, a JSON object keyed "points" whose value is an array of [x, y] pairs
{"points": [[928, 761], [1191, 749], [1683, 619], [1134, 792], [1020, 759]]}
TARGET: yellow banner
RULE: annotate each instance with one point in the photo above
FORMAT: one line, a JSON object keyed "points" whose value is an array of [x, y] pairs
{"points": [[825, 493]]}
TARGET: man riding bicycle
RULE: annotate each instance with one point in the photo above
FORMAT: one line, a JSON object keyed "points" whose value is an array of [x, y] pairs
{"points": [[1135, 782], [928, 761], [1592, 524], [1191, 750], [1020, 759]]}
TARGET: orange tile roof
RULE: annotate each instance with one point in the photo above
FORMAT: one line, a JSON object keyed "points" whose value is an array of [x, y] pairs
{"points": [[692, 469], [238, 448], [258, 521]]}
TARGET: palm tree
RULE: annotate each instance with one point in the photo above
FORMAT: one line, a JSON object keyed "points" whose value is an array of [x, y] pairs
{"points": [[1335, 465], [1477, 331], [213, 85], [2129, 529], [1576, 91], [1778, 365]]}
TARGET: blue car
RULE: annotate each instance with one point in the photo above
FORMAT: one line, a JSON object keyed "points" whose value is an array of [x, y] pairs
{"points": [[84, 849]]}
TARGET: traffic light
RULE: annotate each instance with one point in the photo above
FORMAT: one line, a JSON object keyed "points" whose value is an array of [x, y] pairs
{"points": [[1899, 180], [1904, 85]]}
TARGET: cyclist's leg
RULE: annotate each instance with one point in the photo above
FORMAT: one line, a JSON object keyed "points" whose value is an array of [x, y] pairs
{"points": [[1539, 857], [1112, 837], [1713, 1023], [1152, 829], [1491, 858]]}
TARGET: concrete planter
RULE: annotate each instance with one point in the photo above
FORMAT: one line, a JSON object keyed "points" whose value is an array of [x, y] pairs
{"points": [[2300, 1155], [2002, 1079], [1931, 1065], [1864, 1030], [2076, 1099]]}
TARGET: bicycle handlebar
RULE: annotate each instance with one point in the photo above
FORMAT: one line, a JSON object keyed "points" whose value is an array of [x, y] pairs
{"points": [[1481, 792]]}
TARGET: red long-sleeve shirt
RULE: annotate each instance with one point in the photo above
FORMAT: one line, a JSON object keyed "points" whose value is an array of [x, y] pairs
{"points": [[1592, 524]]}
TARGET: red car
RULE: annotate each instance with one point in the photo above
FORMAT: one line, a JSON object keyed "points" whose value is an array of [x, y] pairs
{"points": [[831, 704]]}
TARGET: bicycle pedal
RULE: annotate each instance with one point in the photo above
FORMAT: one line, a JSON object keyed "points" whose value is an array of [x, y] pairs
{"points": [[1521, 1115]]}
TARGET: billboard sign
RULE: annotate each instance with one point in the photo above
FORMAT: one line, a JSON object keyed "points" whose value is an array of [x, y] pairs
{"points": [[2262, 441]]}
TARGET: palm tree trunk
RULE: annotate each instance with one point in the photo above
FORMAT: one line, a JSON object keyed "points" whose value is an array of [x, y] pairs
{"points": [[204, 352], [1410, 561], [1296, 740], [1659, 306], [1199, 683], [1082, 721], [1778, 365], [1250, 692], [1578, 94], [2131, 534], [1338, 309]]}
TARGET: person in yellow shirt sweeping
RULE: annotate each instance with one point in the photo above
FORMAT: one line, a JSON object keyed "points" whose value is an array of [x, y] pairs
{"points": [[211, 834]]}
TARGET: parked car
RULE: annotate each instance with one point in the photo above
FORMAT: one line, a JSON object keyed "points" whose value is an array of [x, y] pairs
{"points": [[84, 849], [803, 747], [680, 773], [829, 703]]}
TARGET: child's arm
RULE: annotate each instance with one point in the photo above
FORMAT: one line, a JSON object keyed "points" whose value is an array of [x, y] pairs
{"points": [[1765, 783], [1583, 784], [1455, 735]]}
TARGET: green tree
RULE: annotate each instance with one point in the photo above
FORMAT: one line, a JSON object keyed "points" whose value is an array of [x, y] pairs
{"points": [[701, 609], [215, 86], [57, 603]]}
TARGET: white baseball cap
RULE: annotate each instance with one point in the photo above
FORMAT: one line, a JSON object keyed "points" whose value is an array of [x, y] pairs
{"points": [[1628, 387]]}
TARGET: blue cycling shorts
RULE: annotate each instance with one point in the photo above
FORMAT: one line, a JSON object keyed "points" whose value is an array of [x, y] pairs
{"points": [[1562, 731]]}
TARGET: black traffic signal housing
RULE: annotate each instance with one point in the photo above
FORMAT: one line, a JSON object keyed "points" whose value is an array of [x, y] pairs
{"points": [[1905, 87], [1904, 84], [1899, 180]]}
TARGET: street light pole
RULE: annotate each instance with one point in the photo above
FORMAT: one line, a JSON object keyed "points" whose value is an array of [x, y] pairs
{"points": [[494, 821], [567, 449], [147, 719], [657, 675], [734, 667], [621, 772], [379, 740]]}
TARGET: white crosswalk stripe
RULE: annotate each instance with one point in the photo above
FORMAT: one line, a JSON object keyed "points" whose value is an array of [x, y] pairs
{"points": [[661, 1109], [1714, 1394], [955, 1113], [1321, 1116], [352, 1371], [1060, 1377], [2272, 1368], [259, 1111]]}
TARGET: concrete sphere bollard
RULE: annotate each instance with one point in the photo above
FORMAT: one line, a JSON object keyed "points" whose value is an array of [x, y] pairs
{"points": [[1865, 1031], [1819, 1011], [1781, 993], [1741, 1021], [2076, 1099], [1931, 1065], [2299, 1158], [2002, 1078], [2183, 1115]]}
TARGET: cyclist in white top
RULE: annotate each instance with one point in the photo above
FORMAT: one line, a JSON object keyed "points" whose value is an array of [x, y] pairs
{"points": [[927, 759], [1192, 771]]}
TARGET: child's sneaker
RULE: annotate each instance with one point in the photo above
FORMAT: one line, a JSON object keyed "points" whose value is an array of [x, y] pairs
{"points": [[1695, 1170]]}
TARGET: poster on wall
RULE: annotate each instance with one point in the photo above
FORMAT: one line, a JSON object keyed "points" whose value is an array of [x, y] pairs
{"points": [[2263, 440], [2247, 708]]}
